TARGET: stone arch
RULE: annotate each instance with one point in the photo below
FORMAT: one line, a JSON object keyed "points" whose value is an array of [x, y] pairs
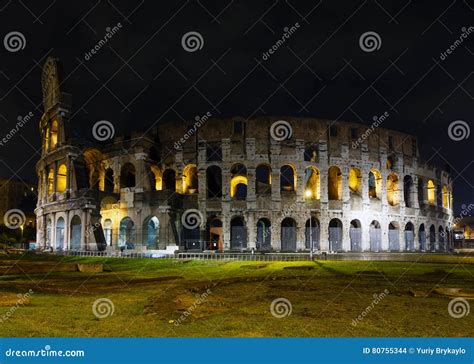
{"points": [[394, 236], [431, 192], [375, 236], [214, 234], [288, 234], [60, 228], [108, 232], [355, 234], [76, 233], [54, 134], [334, 183], [190, 179], [432, 237], [312, 183], [335, 235], [263, 179], [238, 182], [422, 237], [445, 197], [156, 178], [408, 191], [393, 189], [61, 179], [238, 233], [109, 182], [126, 238], [214, 181], [287, 178], [355, 181], [151, 232], [169, 179], [264, 234], [375, 183], [127, 175], [441, 238], [410, 236], [312, 234]]}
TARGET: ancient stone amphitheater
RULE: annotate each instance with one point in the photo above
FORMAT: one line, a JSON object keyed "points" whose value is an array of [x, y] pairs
{"points": [[261, 184]]}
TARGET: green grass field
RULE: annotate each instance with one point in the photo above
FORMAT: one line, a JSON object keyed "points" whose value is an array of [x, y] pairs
{"points": [[176, 298]]}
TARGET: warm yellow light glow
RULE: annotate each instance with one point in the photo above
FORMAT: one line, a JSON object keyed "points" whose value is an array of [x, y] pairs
{"points": [[158, 179], [190, 179], [236, 181], [375, 183], [61, 178], [308, 193], [393, 190], [46, 141], [355, 180], [50, 181], [445, 197], [431, 192], [54, 134]]}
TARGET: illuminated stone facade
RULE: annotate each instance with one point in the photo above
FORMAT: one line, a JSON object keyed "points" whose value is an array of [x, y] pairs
{"points": [[327, 186]]}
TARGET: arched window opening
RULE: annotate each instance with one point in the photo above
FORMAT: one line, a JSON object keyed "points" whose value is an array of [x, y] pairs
{"points": [[445, 197], [60, 234], [214, 234], [238, 234], [408, 191], [238, 182], [393, 236], [264, 235], [50, 182], [214, 182], [431, 192], [61, 179], [312, 232], [287, 179], [127, 176], [393, 190], [375, 183], [108, 232], [288, 234], [312, 184], [355, 181], [156, 182], [311, 154], [375, 235], [355, 234], [432, 238], [109, 180], [409, 236], [169, 180], [334, 183], [54, 134], [263, 179], [190, 179], [422, 237], [335, 235], [151, 236], [76, 230], [126, 234]]}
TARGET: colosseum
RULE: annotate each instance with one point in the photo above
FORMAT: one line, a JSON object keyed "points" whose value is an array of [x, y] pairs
{"points": [[281, 184]]}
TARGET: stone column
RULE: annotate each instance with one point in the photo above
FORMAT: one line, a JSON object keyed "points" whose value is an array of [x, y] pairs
{"points": [[251, 232]]}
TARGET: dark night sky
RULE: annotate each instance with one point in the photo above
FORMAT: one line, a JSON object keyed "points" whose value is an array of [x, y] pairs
{"points": [[143, 75]]}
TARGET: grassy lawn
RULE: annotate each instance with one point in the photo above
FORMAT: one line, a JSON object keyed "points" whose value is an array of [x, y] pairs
{"points": [[176, 298]]}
